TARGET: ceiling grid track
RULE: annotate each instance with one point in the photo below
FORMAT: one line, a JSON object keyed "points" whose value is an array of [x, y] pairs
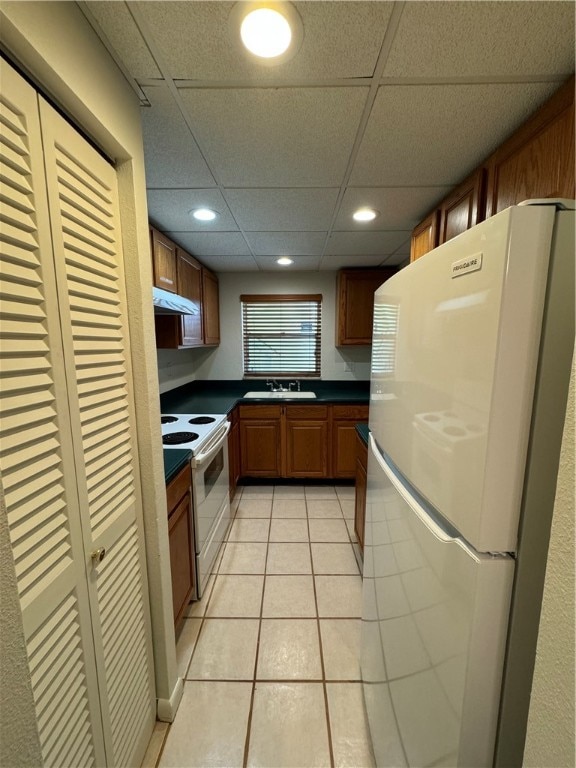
{"points": [[385, 49], [161, 64]]}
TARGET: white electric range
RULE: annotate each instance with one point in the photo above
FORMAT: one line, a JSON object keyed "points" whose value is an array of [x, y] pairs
{"points": [[205, 435]]}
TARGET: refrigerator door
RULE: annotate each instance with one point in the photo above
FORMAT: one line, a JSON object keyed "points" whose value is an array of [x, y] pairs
{"points": [[454, 359], [433, 632]]}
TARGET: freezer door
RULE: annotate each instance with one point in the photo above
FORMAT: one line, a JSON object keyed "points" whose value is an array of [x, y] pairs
{"points": [[434, 624], [454, 359]]}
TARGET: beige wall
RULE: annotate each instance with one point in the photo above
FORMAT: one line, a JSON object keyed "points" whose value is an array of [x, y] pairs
{"points": [[551, 734], [54, 43], [225, 362]]}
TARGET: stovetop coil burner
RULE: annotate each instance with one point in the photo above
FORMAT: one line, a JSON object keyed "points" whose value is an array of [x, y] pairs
{"points": [[176, 438], [202, 420], [168, 419]]}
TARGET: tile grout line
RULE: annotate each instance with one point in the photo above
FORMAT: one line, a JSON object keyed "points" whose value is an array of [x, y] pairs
{"points": [[318, 630], [253, 692]]}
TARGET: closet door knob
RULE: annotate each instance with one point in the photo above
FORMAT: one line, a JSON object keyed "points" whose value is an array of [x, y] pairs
{"points": [[98, 555]]}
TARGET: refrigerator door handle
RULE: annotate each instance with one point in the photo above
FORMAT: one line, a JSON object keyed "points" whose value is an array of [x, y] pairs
{"points": [[435, 529]]}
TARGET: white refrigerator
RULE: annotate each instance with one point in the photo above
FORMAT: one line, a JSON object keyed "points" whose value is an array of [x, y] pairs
{"points": [[471, 360]]}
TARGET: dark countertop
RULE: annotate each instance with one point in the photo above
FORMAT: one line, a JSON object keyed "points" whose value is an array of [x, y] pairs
{"points": [[223, 396], [363, 432], [174, 460]]}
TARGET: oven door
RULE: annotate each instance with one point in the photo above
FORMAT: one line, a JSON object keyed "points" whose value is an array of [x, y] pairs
{"points": [[210, 489]]}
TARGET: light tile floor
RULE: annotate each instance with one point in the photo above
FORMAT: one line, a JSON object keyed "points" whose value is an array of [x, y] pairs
{"points": [[270, 655]]}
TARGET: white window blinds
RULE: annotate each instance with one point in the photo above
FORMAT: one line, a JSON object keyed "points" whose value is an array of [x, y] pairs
{"points": [[384, 338], [281, 334]]}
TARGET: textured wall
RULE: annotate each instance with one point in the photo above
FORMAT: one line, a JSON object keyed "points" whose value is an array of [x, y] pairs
{"points": [[225, 362], [551, 732]]}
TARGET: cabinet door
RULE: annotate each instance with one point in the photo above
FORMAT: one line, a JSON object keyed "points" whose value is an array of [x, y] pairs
{"points": [[182, 565], [190, 286], [84, 214], [356, 304], [234, 455], [210, 308], [463, 208], [307, 444], [260, 447], [360, 502], [538, 160], [424, 236], [164, 262], [344, 448]]}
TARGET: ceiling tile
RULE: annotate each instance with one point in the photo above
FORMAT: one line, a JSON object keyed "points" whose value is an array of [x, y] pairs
{"points": [[398, 207], [230, 263], [282, 210], [292, 136], [443, 39], [365, 243], [202, 244], [117, 23], [268, 264], [171, 156], [196, 41], [172, 207], [286, 243], [436, 134]]}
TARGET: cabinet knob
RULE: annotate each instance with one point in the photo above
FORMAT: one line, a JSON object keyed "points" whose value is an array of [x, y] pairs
{"points": [[98, 555]]}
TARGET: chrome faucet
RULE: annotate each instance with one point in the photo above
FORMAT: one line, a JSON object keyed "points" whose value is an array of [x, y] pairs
{"points": [[293, 384]]}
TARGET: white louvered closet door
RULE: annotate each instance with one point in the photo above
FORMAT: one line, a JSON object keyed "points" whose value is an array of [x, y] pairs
{"points": [[76, 374], [38, 472]]}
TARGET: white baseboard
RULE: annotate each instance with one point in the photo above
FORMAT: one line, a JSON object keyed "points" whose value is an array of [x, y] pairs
{"points": [[167, 708]]}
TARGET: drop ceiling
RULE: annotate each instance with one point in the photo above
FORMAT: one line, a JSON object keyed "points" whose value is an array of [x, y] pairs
{"points": [[386, 104]]}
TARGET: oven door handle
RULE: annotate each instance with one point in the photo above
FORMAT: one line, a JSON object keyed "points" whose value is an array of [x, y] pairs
{"points": [[212, 447]]}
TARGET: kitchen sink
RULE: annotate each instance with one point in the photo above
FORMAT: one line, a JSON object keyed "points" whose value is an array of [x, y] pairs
{"points": [[279, 395]]}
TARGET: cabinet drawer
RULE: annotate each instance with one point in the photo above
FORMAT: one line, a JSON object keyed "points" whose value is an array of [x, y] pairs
{"points": [[307, 411], [177, 487], [260, 411], [356, 412]]}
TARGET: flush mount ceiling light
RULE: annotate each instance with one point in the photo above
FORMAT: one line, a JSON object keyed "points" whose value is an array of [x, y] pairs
{"points": [[271, 31], [204, 214], [365, 214], [284, 261]]}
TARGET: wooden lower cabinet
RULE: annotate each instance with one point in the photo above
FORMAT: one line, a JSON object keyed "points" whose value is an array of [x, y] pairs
{"points": [[361, 487], [260, 440], [307, 441], [344, 420], [181, 542], [234, 452], [314, 441]]}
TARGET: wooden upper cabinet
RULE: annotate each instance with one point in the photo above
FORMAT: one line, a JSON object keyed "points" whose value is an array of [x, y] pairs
{"points": [[164, 261], [355, 309], [210, 308], [463, 208], [537, 161], [190, 286], [424, 236]]}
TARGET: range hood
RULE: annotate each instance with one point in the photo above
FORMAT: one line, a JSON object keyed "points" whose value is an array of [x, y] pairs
{"points": [[166, 303]]}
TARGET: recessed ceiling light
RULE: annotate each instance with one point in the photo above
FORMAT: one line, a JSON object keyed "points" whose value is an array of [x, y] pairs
{"points": [[204, 214], [266, 33], [284, 261], [270, 30], [364, 214]]}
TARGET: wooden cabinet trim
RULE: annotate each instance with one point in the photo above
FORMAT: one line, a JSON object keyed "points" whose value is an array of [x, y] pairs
{"points": [[178, 487], [306, 412], [356, 412], [260, 411], [425, 236], [355, 304], [470, 194], [163, 261]]}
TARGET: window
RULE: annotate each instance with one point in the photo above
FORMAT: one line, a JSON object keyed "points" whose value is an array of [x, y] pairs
{"points": [[384, 338], [281, 335]]}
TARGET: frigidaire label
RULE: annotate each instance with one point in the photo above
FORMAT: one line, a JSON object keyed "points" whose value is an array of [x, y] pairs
{"points": [[469, 264]]}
